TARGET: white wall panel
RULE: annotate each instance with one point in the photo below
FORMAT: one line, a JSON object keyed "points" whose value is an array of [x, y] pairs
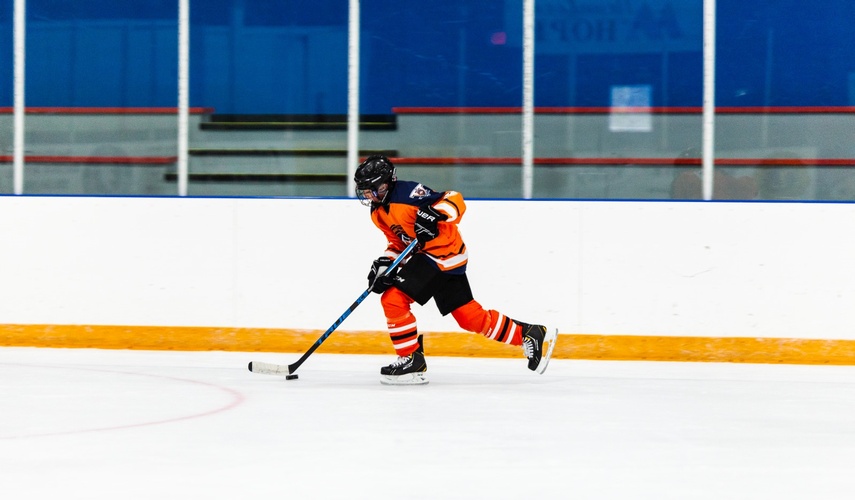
{"points": [[657, 268]]}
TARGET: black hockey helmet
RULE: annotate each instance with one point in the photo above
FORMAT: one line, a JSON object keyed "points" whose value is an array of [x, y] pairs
{"points": [[371, 174]]}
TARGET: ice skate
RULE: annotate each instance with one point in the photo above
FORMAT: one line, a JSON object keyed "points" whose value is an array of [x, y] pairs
{"points": [[406, 370], [535, 338]]}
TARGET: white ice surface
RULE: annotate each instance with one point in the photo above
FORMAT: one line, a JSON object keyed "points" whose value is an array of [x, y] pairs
{"points": [[125, 425]]}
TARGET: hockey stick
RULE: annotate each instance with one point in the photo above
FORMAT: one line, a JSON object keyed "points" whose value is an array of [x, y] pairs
{"points": [[274, 369]]}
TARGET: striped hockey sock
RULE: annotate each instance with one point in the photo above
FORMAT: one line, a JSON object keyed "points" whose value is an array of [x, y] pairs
{"points": [[504, 329], [404, 334], [492, 324]]}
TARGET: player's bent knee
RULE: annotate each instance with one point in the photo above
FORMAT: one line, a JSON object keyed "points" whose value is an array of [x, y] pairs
{"points": [[395, 303]]}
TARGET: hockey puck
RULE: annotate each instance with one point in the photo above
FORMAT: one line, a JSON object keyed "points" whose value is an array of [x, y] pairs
{"points": [[292, 377]]}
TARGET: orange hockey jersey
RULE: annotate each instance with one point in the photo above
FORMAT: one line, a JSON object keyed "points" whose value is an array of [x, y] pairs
{"points": [[397, 218]]}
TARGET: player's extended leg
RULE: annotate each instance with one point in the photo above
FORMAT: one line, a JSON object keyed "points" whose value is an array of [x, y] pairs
{"points": [[410, 367], [495, 325]]}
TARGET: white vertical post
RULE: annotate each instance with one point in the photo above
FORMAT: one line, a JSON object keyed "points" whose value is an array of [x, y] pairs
{"points": [[708, 155], [352, 95], [19, 63], [183, 92], [528, 100]]}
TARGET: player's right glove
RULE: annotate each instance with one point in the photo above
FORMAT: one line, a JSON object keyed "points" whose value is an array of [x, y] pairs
{"points": [[376, 280], [427, 224]]}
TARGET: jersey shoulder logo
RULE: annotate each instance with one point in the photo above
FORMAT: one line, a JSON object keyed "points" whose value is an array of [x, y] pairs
{"points": [[420, 192]]}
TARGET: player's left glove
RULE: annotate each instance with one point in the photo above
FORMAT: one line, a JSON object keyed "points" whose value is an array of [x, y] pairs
{"points": [[427, 220]]}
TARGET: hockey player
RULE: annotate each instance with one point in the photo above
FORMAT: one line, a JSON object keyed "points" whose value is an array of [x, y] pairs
{"points": [[404, 210]]}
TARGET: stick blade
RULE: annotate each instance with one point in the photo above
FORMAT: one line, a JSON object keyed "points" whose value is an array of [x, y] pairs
{"points": [[268, 368]]}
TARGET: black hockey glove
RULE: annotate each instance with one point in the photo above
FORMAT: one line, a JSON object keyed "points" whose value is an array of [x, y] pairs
{"points": [[427, 219], [376, 281]]}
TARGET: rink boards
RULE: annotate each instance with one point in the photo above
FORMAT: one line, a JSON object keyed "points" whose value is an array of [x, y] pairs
{"points": [[706, 281]]}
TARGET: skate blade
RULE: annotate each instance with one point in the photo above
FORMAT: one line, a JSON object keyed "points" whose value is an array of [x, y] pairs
{"points": [[417, 378], [551, 339]]}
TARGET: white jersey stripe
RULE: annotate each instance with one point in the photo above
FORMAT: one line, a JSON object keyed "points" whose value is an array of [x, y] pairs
{"points": [[448, 209], [451, 261]]}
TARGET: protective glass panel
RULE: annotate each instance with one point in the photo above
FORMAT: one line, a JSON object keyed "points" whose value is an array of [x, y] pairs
{"points": [[618, 95], [785, 90], [270, 80], [620, 92], [101, 97], [448, 74]]}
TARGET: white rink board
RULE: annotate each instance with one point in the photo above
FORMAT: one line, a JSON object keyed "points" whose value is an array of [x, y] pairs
{"points": [[640, 268]]}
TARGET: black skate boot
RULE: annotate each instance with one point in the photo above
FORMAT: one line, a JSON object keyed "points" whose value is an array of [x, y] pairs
{"points": [[534, 337], [406, 370]]}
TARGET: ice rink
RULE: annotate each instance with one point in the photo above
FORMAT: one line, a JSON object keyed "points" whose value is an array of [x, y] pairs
{"points": [[105, 424]]}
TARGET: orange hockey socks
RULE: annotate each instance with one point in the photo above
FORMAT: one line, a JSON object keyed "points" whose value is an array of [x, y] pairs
{"points": [[403, 329], [492, 324], [404, 334]]}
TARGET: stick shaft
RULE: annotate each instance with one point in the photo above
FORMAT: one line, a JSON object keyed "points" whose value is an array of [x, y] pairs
{"points": [[293, 366]]}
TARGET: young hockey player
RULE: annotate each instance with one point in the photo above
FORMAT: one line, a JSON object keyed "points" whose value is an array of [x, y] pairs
{"points": [[404, 210]]}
